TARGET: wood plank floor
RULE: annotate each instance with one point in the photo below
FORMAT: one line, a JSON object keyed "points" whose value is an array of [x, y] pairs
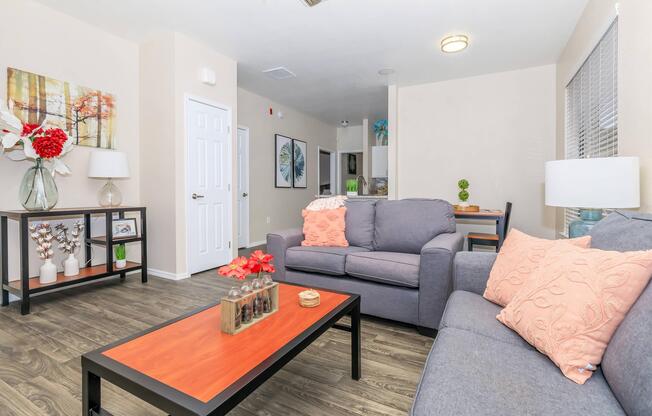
{"points": [[40, 354]]}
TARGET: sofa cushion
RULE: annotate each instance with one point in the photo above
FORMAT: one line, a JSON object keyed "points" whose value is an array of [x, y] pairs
{"points": [[360, 217], [398, 269], [623, 231], [329, 260], [469, 374], [471, 312], [405, 226]]}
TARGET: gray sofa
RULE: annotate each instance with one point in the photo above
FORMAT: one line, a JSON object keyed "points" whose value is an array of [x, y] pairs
{"points": [[477, 366], [399, 260]]}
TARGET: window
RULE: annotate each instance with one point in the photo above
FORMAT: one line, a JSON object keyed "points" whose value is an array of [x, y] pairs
{"points": [[592, 106]]}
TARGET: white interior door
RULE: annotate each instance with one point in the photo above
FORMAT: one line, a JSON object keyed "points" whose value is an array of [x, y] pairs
{"points": [[209, 186], [243, 187]]}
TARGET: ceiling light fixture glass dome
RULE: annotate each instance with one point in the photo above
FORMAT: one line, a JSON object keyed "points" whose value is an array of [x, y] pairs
{"points": [[454, 43]]}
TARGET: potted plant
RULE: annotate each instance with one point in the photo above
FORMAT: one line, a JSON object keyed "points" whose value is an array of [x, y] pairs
{"points": [[463, 195], [42, 235], [352, 187], [120, 256]]}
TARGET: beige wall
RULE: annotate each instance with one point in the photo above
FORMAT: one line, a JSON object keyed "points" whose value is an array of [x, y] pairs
{"points": [[495, 130], [38, 39], [170, 67], [634, 79], [282, 206]]}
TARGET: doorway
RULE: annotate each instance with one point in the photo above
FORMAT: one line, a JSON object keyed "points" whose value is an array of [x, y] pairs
{"points": [[326, 171], [243, 187], [208, 173]]}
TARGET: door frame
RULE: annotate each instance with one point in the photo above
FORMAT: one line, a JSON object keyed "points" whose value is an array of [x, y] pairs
{"points": [[187, 99], [248, 207], [333, 158]]}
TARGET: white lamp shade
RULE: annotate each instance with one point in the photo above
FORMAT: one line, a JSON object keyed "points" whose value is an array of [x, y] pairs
{"points": [[609, 182], [108, 164]]}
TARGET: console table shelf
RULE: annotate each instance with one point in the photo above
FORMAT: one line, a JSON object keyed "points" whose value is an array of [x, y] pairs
{"points": [[28, 285]]}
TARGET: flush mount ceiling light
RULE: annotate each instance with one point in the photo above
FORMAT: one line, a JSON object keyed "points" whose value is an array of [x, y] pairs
{"points": [[279, 73], [454, 43], [311, 3], [386, 71]]}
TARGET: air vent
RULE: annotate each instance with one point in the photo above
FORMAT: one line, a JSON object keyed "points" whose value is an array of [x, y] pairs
{"points": [[279, 73], [311, 3]]}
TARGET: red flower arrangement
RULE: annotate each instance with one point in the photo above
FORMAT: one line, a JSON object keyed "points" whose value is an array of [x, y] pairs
{"points": [[259, 262], [48, 144]]}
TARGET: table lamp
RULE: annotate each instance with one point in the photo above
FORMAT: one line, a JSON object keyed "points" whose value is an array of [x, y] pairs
{"points": [[108, 164], [592, 185]]}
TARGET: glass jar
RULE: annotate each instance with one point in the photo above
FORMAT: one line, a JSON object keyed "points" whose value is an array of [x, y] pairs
{"points": [[246, 306], [234, 294], [258, 298], [267, 294], [38, 191]]}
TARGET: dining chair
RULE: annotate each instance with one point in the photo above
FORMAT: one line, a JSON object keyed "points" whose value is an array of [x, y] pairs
{"points": [[483, 239]]}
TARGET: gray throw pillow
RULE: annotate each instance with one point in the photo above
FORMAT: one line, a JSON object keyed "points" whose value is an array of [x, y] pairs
{"points": [[359, 223]]}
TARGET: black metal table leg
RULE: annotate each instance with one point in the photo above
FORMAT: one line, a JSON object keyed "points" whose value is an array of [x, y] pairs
{"points": [[123, 275], [143, 246], [24, 266], [356, 361], [87, 244], [4, 259], [91, 393], [109, 240]]}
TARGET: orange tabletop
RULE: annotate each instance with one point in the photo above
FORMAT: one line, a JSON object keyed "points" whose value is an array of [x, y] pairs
{"points": [[195, 357]]}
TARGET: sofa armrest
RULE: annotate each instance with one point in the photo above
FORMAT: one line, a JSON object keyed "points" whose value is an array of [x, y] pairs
{"points": [[435, 276], [277, 244], [471, 271]]}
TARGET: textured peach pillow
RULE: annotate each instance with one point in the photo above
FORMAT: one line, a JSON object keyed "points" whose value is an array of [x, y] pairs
{"points": [[576, 300], [518, 259], [324, 228]]}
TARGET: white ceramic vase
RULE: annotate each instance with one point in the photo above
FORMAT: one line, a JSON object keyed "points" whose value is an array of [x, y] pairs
{"points": [[120, 264], [71, 266], [48, 273]]}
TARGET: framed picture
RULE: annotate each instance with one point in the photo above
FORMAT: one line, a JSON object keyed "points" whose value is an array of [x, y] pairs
{"points": [[125, 227], [353, 164], [299, 164], [283, 162]]}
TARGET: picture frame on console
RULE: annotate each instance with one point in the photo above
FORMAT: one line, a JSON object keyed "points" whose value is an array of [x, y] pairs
{"points": [[124, 228]]}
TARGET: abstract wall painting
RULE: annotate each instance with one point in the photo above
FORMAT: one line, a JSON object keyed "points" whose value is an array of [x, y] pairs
{"points": [[86, 114], [299, 164], [283, 162]]}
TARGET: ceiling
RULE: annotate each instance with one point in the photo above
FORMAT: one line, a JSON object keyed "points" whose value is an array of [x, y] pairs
{"points": [[337, 47]]}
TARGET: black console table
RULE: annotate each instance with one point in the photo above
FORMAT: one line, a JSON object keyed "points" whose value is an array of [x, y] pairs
{"points": [[27, 286]]}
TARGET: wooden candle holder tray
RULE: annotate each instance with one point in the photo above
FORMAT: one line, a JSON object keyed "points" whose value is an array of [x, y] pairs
{"points": [[230, 308]]}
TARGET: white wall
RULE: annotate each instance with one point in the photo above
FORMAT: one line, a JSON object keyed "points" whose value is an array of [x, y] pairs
{"points": [[170, 66], [495, 130], [282, 206], [634, 79], [40, 40]]}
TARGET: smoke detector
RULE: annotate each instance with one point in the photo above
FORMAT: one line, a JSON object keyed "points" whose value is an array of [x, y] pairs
{"points": [[279, 73]]}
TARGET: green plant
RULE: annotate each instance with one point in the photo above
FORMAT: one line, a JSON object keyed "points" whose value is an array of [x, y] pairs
{"points": [[463, 194], [120, 252], [352, 185]]}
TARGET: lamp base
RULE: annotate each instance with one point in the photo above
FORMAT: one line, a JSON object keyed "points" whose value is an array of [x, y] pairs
{"points": [[110, 195], [582, 227]]}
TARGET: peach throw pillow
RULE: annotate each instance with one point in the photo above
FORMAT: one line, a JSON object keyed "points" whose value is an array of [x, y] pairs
{"points": [[324, 228], [518, 259], [576, 300]]}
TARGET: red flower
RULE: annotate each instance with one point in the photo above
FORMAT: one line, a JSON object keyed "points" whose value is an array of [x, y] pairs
{"points": [[29, 129], [49, 144], [237, 268], [260, 261]]}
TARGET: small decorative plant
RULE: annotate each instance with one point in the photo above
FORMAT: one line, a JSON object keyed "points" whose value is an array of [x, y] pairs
{"points": [[120, 256], [463, 195], [352, 186], [42, 235], [258, 262], [69, 244], [380, 130]]}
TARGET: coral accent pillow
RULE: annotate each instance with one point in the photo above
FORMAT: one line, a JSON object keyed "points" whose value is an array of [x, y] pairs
{"points": [[576, 300], [518, 259], [324, 228]]}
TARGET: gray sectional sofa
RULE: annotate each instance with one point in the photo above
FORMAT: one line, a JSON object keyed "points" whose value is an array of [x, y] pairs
{"points": [[399, 260], [477, 366]]}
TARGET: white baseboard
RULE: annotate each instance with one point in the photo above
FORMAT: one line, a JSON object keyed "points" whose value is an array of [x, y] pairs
{"points": [[257, 243], [167, 275]]}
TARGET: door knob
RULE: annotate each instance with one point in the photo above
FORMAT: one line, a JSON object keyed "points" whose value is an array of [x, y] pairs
{"points": [[244, 194], [197, 196]]}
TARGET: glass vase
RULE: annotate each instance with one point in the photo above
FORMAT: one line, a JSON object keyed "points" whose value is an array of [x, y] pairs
{"points": [[38, 191]]}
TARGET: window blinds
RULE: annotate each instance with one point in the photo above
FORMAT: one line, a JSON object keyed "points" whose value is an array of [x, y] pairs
{"points": [[592, 106]]}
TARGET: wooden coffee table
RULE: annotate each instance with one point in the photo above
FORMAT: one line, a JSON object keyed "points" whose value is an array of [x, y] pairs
{"points": [[187, 366]]}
